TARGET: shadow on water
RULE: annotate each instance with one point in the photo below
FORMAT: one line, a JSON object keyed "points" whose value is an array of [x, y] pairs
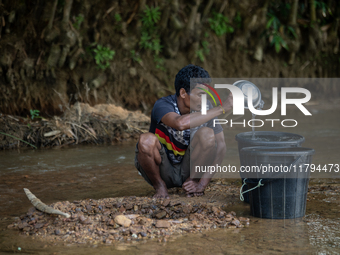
{"points": [[108, 171]]}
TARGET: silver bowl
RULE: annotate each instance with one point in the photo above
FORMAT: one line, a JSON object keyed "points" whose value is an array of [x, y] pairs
{"points": [[244, 86]]}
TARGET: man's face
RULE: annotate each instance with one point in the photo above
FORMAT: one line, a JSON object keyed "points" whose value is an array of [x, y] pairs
{"points": [[195, 97]]}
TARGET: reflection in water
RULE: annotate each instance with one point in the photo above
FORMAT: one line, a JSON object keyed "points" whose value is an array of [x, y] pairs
{"points": [[59, 159], [108, 171]]}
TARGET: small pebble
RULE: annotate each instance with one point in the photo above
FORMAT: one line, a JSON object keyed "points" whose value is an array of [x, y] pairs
{"points": [[143, 234]]}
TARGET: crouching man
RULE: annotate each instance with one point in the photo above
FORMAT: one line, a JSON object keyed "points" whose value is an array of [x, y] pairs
{"points": [[163, 155]]}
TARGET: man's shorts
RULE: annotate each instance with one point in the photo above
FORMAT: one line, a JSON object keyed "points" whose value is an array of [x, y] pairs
{"points": [[173, 175]]}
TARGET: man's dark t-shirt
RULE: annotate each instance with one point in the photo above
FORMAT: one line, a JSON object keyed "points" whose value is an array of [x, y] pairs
{"points": [[175, 142]]}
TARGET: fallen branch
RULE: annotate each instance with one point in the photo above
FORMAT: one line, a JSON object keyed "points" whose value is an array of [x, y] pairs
{"points": [[41, 206]]}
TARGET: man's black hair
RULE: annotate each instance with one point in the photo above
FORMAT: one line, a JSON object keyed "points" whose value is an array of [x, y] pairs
{"points": [[182, 79]]}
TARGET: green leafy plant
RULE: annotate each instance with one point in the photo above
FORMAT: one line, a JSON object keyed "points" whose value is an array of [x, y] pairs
{"points": [[238, 20], [35, 114], [291, 31], [118, 23], [150, 39], [278, 42], [273, 22], [200, 54], [79, 19], [150, 17], [156, 46], [203, 51], [102, 56], [145, 41], [159, 62], [275, 32], [323, 7], [118, 18], [205, 46], [135, 56], [220, 24], [326, 12]]}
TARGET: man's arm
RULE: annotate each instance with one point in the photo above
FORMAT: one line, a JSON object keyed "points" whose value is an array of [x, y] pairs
{"points": [[186, 121]]}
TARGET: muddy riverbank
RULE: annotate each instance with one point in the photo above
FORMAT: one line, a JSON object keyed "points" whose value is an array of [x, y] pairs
{"points": [[80, 124]]}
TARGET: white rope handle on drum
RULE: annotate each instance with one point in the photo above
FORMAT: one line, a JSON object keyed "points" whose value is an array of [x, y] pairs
{"points": [[244, 183]]}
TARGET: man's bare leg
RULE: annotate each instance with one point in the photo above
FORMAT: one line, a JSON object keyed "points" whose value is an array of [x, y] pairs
{"points": [[203, 147], [149, 158]]}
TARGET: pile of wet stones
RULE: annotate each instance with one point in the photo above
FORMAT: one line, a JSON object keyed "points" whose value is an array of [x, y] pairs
{"points": [[125, 219]]}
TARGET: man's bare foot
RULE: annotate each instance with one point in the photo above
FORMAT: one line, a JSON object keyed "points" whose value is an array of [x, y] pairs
{"points": [[161, 192]]}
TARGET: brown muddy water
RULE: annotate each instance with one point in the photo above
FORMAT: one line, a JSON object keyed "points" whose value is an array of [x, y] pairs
{"points": [[108, 171]]}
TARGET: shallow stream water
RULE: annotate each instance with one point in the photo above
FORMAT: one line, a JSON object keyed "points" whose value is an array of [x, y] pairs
{"points": [[82, 172]]}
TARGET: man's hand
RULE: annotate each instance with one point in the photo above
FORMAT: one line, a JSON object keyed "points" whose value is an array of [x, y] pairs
{"points": [[191, 186], [228, 103]]}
